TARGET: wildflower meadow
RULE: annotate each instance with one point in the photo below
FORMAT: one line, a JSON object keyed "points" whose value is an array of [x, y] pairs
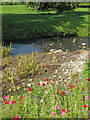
{"points": [[48, 99]]}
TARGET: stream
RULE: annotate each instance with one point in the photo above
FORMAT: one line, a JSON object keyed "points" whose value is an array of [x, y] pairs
{"points": [[45, 44]]}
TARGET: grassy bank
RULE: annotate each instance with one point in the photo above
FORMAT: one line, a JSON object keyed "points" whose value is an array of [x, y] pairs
{"points": [[64, 101], [18, 23]]}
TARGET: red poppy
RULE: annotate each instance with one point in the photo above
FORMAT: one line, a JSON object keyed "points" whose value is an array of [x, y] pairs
{"points": [[26, 116], [38, 83], [88, 79], [57, 90], [43, 84], [82, 88], [86, 116], [46, 79], [62, 92], [6, 102], [12, 106], [85, 106], [53, 79], [20, 109], [16, 118], [22, 98], [73, 86], [29, 89], [14, 101]]}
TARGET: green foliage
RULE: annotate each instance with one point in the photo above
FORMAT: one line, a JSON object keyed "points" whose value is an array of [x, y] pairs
{"points": [[29, 8], [23, 67], [13, 3], [27, 4], [86, 71], [26, 67], [6, 51], [59, 6], [5, 62]]}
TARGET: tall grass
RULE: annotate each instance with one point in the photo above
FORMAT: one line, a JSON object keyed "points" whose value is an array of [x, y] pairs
{"points": [[6, 51]]}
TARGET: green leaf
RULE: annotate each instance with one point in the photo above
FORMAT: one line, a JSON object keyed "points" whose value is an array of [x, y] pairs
{"points": [[13, 86], [18, 88]]}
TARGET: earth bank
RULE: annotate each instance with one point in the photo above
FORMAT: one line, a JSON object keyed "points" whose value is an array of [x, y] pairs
{"points": [[62, 66]]}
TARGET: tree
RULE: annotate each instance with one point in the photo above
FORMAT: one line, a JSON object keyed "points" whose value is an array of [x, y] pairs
{"points": [[59, 6]]}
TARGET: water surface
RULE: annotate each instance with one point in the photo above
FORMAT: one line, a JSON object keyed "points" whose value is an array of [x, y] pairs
{"points": [[45, 44]]}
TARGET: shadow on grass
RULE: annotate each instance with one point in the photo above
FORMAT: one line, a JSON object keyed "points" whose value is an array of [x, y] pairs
{"points": [[83, 6], [18, 27]]}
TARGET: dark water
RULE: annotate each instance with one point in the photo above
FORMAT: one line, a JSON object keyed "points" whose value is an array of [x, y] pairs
{"points": [[24, 49], [45, 44]]}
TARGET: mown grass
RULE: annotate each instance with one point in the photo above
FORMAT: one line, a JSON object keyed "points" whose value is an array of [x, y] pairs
{"points": [[40, 101], [18, 23]]}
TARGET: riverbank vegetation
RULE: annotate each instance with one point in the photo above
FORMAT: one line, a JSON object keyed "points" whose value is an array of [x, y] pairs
{"points": [[21, 24], [68, 100], [6, 51]]}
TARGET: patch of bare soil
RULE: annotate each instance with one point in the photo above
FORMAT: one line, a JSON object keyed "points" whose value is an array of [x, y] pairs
{"points": [[63, 66], [68, 65]]}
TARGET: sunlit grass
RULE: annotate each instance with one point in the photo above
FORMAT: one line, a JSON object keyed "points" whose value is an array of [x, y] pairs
{"points": [[18, 23]]}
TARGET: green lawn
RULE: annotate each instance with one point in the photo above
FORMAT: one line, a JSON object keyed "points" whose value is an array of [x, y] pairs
{"points": [[21, 24]]}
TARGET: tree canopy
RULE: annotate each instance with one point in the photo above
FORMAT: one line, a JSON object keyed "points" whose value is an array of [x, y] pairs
{"points": [[59, 6]]}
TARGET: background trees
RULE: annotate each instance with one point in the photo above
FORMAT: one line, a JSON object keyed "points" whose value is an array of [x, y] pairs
{"points": [[59, 6]]}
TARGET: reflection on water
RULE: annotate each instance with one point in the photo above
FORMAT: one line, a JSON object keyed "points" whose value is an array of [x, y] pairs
{"points": [[45, 44], [64, 43], [24, 49]]}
